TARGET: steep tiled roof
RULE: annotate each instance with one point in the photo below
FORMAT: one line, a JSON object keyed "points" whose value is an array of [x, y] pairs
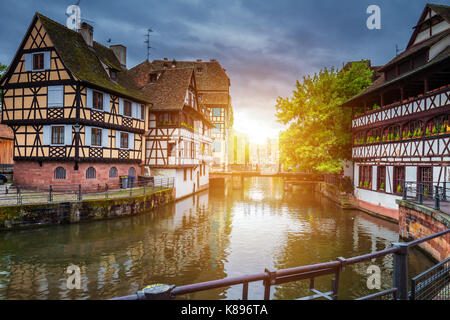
{"points": [[85, 63], [211, 75], [169, 91]]}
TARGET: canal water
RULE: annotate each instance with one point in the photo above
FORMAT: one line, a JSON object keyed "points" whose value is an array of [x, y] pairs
{"points": [[215, 234]]}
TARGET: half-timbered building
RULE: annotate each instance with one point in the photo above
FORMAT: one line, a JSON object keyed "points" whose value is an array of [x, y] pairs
{"points": [[213, 85], [401, 125], [178, 141], [76, 115]]}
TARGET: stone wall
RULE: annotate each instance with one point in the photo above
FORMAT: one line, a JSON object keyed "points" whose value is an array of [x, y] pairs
{"points": [[418, 221], [23, 216], [30, 173]]}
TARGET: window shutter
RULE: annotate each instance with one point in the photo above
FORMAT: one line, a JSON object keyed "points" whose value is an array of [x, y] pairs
{"points": [[47, 58], [46, 135], [117, 139], [28, 61], [106, 102], [105, 133], [88, 98], [87, 136], [133, 110], [55, 96], [120, 106], [68, 134], [131, 141]]}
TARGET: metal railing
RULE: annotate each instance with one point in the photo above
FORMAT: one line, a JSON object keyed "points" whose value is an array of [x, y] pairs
{"points": [[343, 183], [429, 193], [433, 283], [6, 168], [310, 272], [68, 193]]}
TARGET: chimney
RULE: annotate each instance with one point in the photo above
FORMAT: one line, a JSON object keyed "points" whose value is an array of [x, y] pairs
{"points": [[87, 32], [165, 59], [121, 53], [199, 60]]}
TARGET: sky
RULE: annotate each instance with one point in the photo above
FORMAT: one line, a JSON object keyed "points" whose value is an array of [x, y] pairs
{"points": [[265, 46]]}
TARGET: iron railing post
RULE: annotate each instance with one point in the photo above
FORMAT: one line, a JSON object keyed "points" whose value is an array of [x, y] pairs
{"points": [[404, 190], [401, 270], [436, 198], [444, 193], [420, 195]]}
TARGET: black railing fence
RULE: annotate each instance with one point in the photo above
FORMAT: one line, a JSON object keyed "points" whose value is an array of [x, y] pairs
{"points": [[433, 283], [269, 278], [64, 193], [430, 193]]}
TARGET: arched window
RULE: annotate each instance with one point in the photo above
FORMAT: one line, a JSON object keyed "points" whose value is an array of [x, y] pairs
{"points": [[113, 172], [90, 173], [60, 173], [132, 172]]}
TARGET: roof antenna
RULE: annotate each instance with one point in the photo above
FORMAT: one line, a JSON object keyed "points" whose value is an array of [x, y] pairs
{"points": [[147, 41]]}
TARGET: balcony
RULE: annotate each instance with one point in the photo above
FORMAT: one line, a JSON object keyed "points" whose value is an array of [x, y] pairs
{"points": [[435, 99]]}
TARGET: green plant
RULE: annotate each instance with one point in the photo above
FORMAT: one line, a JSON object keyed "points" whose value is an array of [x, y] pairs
{"points": [[360, 184], [384, 138], [397, 137], [382, 186], [427, 131], [366, 184], [410, 135], [443, 128], [404, 135], [434, 130], [378, 139], [375, 107], [425, 192], [419, 133], [399, 189]]}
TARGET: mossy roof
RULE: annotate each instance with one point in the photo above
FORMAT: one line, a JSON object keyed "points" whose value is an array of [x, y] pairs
{"points": [[84, 62]]}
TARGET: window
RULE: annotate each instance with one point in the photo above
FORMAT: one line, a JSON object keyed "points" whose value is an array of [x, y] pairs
{"points": [[113, 74], [96, 137], [171, 149], [399, 177], [365, 177], [124, 140], [113, 172], [216, 112], [97, 102], [58, 135], [55, 96], [60, 173], [142, 112], [90, 173], [127, 108], [153, 77], [38, 61], [199, 69], [132, 172], [381, 178], [425, 176]]}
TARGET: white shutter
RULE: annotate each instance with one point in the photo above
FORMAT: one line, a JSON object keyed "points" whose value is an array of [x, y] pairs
{"points": [[106, 102], [120, 106], [105, 133], [117, 139], [28, 61], [55, 96], [46, 135], [88, 98], [133, 110], [131, 141], [47, 58], [87, 136], [68, 134]]}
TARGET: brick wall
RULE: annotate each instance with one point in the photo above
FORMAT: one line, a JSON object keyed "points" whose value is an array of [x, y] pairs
{"points": [[417, 221], [30, 173]]}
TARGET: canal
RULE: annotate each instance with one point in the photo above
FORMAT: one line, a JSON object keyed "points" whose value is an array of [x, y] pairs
{"points": [[215, 234]]}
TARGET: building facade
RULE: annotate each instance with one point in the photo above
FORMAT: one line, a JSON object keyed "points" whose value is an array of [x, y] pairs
{"points": [[178, 140], [400, 125], [213, 85], [76, 116]]}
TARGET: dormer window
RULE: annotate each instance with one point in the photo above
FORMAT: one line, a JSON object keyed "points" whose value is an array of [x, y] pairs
{"points": [[153, 77], [113, 74], [199, 70]]}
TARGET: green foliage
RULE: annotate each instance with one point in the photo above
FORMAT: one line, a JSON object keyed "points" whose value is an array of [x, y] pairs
{"points": [[399, 189], [318, 138], [427, 131], [2, 71], [382, 186], [410, 135], [434, 130]]}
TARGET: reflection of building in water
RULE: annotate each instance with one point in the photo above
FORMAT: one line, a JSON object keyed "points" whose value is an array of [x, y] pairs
{"points": [[157, 247]]}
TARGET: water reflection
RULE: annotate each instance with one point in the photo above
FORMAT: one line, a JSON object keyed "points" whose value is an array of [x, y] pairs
{"points": [[212, 235]]}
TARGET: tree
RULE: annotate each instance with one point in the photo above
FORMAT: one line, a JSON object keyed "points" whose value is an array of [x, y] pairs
{"points": [[318, 137]]}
